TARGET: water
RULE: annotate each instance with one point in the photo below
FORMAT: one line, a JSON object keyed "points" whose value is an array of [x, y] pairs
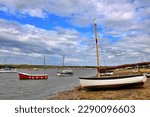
{"points": [[11, 88]]}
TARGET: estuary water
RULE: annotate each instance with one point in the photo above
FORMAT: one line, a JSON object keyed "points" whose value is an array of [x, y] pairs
{"points": [[11, 88]]}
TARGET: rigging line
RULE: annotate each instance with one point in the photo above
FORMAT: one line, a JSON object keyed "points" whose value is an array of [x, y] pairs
{"points": [[103, 56], [102, 53]]}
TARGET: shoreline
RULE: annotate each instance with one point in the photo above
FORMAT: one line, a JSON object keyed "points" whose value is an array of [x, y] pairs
{"points": [[142, 93]]}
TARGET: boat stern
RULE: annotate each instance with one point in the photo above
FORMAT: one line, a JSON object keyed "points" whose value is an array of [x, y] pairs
{"points": [[144, 77]]}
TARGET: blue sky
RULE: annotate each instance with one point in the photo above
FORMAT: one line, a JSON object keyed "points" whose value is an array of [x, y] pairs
{"points": [[30, 30]]}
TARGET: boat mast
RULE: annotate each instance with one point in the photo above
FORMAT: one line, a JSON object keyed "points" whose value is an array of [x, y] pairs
{"points": [[44, 65], [63, 60], [5, 61], [97, 54]]}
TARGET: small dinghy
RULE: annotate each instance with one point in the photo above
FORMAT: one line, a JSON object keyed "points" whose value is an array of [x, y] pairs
{"points": [[32, 76]]}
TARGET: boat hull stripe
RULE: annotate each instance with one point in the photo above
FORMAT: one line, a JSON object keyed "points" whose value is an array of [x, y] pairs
{"points": [[109, 78]]}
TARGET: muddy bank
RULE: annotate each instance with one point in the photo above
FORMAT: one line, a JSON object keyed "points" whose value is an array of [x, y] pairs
{"points": [[142, 93]]}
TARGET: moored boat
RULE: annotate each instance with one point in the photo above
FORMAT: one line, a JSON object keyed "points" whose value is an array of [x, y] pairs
{"points": [[65, 73], [26, 76], [111, 80], [8, 69], [30, 76]]}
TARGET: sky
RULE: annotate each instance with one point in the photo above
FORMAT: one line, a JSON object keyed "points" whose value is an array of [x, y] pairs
{"points": [[32, 29]]}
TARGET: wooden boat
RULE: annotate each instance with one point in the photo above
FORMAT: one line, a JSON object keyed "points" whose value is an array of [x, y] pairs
{"points": [[29, 76], [26, 76], [64, 72], [113, 82], [110, 81]]}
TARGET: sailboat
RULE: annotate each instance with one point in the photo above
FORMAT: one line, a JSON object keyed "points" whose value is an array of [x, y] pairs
{"points": [[7, 68], [65, 72], [29, 76], [110, 81]]}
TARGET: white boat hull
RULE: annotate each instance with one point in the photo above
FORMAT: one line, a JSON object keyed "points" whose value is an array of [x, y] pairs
{"points": [[65, 73], [114, 82], [8, 71]]}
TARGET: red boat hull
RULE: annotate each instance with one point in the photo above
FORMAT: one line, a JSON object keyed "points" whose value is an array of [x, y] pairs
{"points": [[24, 76]]}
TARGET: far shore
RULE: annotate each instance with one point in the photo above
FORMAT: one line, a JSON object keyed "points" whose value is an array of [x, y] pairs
{"points": [[125, 66]]}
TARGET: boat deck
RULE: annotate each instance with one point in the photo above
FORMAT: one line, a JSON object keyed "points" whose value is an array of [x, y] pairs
{"points": [[116, 76]]}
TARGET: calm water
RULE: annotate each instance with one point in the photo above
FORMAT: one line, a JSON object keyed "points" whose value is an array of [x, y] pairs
{"points": [[11, 88]]}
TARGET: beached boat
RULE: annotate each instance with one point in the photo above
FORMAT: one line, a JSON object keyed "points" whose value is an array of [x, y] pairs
{"points": [[110, 81], [113, 81], [8, 69], [64, 72], [31, 76], [26, 76]]}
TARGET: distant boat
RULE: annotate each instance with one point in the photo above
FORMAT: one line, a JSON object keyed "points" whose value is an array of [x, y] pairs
{"points": [[8, 69], [29, 76], [65, 72], [5, 68], [34, 69], [110, 81]]}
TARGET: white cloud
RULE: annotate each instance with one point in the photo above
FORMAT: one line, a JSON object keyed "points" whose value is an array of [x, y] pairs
{"points": [[28, 40], [125, 19], [108, 12], [72, 60], [77, 9], [118, 15]]}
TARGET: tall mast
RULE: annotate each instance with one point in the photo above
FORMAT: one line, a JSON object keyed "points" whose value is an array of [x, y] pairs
{"points": [[5, 61], [97, 54], [44, 65], [63, 60]]}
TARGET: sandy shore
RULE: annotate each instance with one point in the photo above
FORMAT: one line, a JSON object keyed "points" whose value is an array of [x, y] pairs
{"points": [[142, 93]]}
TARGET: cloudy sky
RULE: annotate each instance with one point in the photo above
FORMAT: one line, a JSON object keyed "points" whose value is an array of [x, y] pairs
{"points": [[31, 29]]}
